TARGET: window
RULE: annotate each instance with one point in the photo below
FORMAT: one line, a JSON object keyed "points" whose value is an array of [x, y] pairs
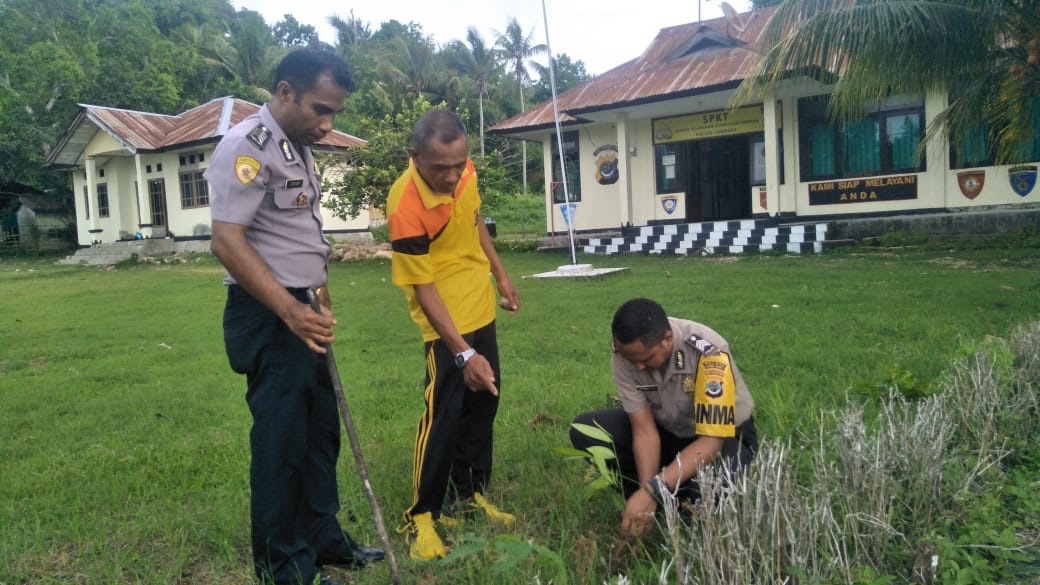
{"points": [[157, 200], [102, 199], [884, 141], [570, 160], [976, 149], [194, 190], [191, 159]]}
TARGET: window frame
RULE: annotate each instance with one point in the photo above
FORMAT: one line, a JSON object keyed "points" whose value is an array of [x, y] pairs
{"points": [[194, 189], [815, 126], [101, 190]]}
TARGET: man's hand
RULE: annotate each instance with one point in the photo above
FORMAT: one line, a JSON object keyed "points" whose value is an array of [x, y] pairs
{"points": [[478, 375], [510, 300], [638, 517], [313, 328]]}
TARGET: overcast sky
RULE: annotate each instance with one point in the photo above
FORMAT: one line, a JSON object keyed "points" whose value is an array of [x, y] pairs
{"points": [[602, 33]]}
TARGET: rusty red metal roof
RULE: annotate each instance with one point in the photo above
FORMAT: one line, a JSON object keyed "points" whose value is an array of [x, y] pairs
{"points": [[686, 59], [148, 132]]}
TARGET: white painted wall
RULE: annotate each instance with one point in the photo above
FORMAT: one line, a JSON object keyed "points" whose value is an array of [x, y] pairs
{"points": [[633, 198], [125, 213]]}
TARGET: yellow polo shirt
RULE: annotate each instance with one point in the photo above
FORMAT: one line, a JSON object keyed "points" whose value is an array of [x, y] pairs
{"points": [[435, 239]]}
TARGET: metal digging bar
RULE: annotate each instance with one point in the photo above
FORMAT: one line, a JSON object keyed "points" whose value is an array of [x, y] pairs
{"points": [[355, 446]]}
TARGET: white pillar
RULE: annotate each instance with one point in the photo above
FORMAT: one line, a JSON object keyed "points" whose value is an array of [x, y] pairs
{"points": [[140, 196], [772, 119], [92, 203], [625, 188]]}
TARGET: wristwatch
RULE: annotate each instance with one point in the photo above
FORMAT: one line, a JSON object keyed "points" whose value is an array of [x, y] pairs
{"points": [[657, 488], [462, 357]]}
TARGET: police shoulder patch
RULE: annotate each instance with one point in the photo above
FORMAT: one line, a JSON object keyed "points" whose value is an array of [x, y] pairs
{"points": [[259, 136], [246, 169]]}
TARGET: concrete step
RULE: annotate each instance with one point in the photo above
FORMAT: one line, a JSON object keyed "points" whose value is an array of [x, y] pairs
{"points": [[706, 238], [116, 252]]}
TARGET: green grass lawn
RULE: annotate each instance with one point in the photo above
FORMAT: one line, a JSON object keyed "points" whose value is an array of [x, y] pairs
{"points": [[123, 433]]}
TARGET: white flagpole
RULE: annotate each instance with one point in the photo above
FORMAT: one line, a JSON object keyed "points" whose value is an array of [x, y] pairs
{"points": [[559, 136]]}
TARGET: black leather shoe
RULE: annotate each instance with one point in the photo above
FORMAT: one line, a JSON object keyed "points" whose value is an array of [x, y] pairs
{"points": [[360, 557], [369, 554]]}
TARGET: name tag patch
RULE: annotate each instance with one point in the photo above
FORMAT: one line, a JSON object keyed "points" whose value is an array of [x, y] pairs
{"points": [[651, 388], [293, 183]]}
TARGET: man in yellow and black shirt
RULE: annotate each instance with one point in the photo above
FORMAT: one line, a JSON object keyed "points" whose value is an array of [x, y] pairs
{"points": [[442, 257], [684, 406]]}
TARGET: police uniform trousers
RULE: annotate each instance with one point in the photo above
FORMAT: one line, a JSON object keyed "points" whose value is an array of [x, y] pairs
{"points": [[736, 452], [295, 441], [454, 440]]}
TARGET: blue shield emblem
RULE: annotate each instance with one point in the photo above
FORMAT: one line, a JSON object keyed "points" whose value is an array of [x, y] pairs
{"points": [[568, 212], [669, 204], [1022, 179]]}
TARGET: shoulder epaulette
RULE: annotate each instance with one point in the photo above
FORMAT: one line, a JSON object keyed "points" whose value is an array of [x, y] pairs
{"points": [[259, 136], [702, 346]]}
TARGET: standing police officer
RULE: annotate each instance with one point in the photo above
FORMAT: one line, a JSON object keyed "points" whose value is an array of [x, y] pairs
{"points": [[267, 231]]}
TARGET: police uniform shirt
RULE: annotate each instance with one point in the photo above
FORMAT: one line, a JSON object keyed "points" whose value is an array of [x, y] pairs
{"points": [[671, 394], [259, 179]]}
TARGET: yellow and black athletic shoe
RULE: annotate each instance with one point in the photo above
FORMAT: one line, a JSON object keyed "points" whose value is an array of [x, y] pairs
{"points": [[426, 544], [492, 511]]}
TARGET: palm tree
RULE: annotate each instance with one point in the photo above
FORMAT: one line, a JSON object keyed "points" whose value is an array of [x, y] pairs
{"points": [[414, 65], [351, 34], [985, 52], [247, 55], [478, 61], [516, 48]]}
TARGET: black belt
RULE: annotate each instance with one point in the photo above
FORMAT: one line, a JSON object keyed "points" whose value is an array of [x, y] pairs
{"points": [[237, 290]]}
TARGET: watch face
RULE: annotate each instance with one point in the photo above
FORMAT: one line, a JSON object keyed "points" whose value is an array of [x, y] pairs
{"points": [[460, 361]]}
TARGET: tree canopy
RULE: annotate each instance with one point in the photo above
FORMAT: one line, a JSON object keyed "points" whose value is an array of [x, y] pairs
{"points": [[167, 56]]}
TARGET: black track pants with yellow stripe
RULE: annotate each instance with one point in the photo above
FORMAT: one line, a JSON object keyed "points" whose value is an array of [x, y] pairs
{"points": [[454, 440]]}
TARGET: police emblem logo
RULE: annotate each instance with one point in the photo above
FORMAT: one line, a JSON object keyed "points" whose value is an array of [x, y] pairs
{"points": [[971, 183], [246, 169], [302, 200], [713, 388], [669, 204], [1022, 179]]}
